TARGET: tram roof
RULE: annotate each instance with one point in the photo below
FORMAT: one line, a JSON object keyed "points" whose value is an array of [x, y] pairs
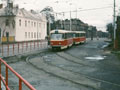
{"points": [[79, 31], [61, 31]]}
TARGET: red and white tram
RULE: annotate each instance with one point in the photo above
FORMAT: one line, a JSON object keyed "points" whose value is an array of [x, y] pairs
{"points": [[79, 37], [61, 39]]}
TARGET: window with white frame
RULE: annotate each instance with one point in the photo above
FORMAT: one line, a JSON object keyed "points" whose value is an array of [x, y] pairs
{"points": [[28, 23], [39, 35], [40, 25], [20, 22], [25, 23], [34, 24], [25, 34], [29, 34], [34, 34]]}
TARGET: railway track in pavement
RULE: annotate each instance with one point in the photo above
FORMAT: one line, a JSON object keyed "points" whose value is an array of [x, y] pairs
{"points": [[73, 59]]}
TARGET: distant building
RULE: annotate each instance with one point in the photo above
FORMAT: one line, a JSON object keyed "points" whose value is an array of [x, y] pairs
{"points": [[76, 25], [21, 25]]}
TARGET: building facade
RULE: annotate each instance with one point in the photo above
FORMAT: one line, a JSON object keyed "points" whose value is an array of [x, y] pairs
{"points": [[22, 25]]}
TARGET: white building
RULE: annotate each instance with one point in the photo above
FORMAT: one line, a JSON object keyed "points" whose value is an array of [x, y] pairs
{"points": [[22, 25]]}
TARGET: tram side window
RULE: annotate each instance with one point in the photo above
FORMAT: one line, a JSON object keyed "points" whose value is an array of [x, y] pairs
{"points": [[63, 36], [77, 35], [82, 34], [74, 35], [71, 35], [68, 35]]}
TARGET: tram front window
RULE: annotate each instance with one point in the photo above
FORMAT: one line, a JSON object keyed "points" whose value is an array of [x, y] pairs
{"points": [[56, 36]]}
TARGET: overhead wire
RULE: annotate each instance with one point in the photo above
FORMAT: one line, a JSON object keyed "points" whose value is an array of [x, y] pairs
{"points": [[86, 9]]}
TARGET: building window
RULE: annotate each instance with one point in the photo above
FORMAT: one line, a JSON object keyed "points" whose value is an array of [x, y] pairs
{"points": [[7, 22], [39, 35], [25, 23], [28, 23], [20, 22], [34, 34], [29, 34], [25, 34], [39, 25], [34, 24]]}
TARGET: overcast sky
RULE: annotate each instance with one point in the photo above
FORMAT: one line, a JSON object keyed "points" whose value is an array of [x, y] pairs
{"points": [[97, 17]]}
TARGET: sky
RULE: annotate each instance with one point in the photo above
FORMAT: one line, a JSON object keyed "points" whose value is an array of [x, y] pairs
{"points": [[96, 17]]}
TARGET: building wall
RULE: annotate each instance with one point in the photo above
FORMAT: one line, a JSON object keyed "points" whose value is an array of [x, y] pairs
{"points": [[7, 25], [29, 29], [23, 29]]}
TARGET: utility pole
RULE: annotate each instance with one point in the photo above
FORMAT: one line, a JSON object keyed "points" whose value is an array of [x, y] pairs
{"points": [[56, 22], [64, 20], [70, 17], [114, 24], [76, 19]]}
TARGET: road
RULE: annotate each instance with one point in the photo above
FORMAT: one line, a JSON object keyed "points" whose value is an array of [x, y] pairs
{"points": [[82, 67]]}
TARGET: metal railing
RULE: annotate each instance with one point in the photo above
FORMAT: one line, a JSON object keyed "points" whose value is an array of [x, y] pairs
{"points": [[21, 79], [22, 47]]}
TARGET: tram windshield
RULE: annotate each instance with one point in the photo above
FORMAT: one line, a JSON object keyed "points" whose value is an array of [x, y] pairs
{"points": [[56, 36]]}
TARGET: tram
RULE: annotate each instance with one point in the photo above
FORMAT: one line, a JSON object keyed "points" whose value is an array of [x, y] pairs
{"points": [[79, 37], [61, 39]]}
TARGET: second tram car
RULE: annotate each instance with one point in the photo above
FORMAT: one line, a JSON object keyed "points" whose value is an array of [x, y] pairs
{"points": [[79, 37], [61, 39]]}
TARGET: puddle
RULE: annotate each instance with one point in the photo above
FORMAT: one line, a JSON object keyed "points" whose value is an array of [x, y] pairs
{"points": [[106, 45], [47, 58], [60, 65], [95, 58]]}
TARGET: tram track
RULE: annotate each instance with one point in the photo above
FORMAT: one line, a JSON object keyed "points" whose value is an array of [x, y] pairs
{"points": [[51, 73], [76, 61], [104, 81], [92, 78]]}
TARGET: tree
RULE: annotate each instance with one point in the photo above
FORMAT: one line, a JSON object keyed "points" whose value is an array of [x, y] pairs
{"points": [[118, 34], [49, 13], [110, 30]]}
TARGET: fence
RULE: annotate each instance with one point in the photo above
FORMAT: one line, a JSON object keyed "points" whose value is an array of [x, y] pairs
{"points": [[17, 75], [22, 47]]}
